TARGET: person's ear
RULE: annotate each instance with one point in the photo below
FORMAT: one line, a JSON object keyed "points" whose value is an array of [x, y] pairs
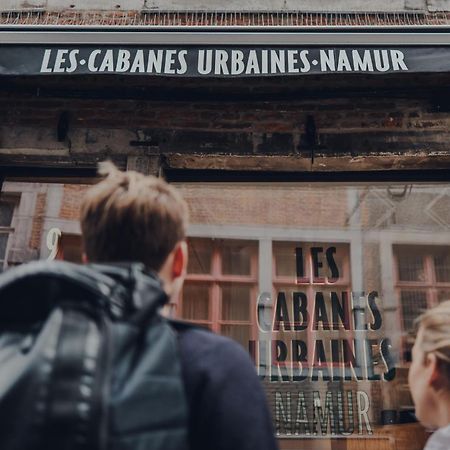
{"points": [[84, 258], [435, 377], [180, 258]]}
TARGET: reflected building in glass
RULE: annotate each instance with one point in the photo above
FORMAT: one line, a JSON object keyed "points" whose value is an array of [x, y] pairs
{"points": [[320, 283]]}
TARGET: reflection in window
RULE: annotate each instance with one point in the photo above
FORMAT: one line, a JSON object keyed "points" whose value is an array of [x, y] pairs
{"points": [[296, 274], [236, 258], [6, 216], [236, 302], [285, 259], [309, 263], [411, 268], [442, 264], [423, 281], [220, 289], [196, 302], [443, 296], [40, 208], [199, 258], [6, 213], [413, 303]]}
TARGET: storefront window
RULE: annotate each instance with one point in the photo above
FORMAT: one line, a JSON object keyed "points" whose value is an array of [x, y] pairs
{"points": [[343, 272], [321, 283]]}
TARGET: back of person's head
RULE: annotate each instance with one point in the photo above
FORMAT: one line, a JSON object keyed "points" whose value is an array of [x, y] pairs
{"points": [[435, 336], [131, 217], [429, 374]]}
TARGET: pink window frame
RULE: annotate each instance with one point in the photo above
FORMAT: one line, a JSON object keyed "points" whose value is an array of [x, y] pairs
{"points": [[431, 286], [215, 279]]}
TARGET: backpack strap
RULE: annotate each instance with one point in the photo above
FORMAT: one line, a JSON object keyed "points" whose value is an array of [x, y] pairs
{"points": [[77, 395]]}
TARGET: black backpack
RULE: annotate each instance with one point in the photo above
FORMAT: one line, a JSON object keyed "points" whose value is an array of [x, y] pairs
{"points": [[86, 361]]}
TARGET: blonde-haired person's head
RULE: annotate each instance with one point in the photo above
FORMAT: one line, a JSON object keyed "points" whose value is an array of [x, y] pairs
{"points": [[131, 217], [429, 375]]}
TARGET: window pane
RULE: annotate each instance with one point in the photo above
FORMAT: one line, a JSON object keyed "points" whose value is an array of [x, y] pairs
{"points": [[3, 243], [6, 213], [411, 268], [195, 301], [443, 296], [442, 267], [413, 304], [200, 254], [236, 257], [285, 259], [240, 333], [235, 302]]}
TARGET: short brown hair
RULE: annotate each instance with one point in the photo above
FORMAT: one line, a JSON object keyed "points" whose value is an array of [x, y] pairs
{"points": [[132, 217]]}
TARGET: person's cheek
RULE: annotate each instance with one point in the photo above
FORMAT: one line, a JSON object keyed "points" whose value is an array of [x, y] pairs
{"points": [[421, 401], [412, 377], [414, 381]]}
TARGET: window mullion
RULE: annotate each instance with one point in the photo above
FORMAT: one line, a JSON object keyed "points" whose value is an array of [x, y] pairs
{"points": [[431, 281], [216, 297], [216, 301]]}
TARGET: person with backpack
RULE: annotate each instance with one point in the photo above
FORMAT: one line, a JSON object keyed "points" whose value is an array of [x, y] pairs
{"points": [[87, 360]]}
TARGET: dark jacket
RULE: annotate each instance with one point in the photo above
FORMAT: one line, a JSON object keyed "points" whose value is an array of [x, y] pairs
{"points": [[227, 405]]}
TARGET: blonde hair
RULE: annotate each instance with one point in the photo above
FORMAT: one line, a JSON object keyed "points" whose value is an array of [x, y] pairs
{"points": [[435, 326], [129, 217]]}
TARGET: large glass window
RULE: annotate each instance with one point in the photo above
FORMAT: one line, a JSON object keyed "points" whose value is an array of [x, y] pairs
{"points": [[343, 272], [321, 283]]}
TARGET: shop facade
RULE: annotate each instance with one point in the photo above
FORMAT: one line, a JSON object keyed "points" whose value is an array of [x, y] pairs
{"points": [[314, 160]]}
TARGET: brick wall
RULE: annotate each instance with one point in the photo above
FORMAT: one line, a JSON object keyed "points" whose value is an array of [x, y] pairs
{"points": [[266, 205], [388, 118], [71, 201]]}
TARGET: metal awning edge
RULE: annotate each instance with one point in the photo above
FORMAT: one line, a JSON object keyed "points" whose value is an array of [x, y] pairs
{"points": [[215, 37]]}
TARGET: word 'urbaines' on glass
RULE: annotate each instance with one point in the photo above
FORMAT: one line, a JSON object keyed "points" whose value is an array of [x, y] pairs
{"points": [[314, 354]]}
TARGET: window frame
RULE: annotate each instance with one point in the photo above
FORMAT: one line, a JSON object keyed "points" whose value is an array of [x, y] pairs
{"points": [[430, 286], [8, 230], [215, 279]]}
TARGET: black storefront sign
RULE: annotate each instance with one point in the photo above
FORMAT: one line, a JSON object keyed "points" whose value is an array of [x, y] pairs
{"points": [[209, 61]]}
